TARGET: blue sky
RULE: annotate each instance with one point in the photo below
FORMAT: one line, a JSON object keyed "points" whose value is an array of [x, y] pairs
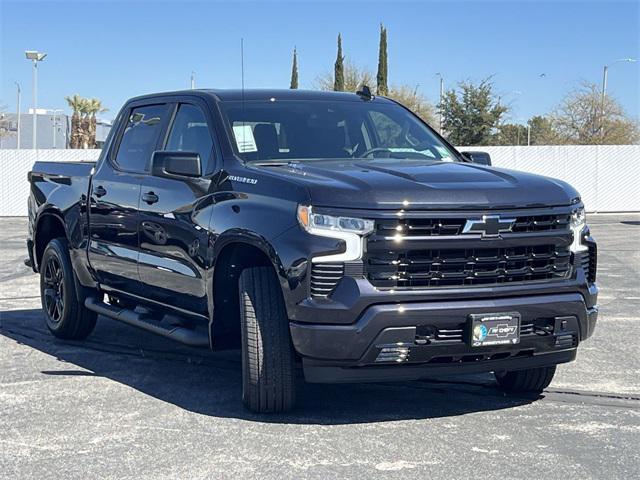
{"points": [[115, 50]]}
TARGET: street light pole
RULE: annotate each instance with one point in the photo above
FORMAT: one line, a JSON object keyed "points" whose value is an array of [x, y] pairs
{"points": [[18, 115], [35, 105], [605, 75], [35, 57]]}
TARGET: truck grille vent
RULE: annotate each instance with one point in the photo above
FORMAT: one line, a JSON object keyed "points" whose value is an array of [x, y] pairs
{"points": [[470, 266], [588, 262], [325, 277], [453, 226], [593, 262]]}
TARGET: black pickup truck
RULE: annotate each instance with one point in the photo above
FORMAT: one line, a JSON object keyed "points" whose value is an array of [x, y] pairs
{"points": [[336, 231]]}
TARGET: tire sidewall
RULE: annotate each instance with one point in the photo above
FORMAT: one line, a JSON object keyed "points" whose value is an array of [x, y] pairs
{"points": [[57, 249]]}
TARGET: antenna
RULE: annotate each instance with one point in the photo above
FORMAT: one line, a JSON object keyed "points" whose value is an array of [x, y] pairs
{"points": [[244, 134], [365, 93], [242, 66]]}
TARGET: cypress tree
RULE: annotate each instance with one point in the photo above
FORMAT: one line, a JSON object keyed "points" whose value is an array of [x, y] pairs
{"points": [[381, 77], [294, 70], [338, 74]]}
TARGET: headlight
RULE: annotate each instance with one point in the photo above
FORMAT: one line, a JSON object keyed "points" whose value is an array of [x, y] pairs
{"points": [[578, 223], [351, 230], [312, 221]]}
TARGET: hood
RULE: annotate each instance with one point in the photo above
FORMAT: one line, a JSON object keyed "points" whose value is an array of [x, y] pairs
{"points": [[391, 184]]}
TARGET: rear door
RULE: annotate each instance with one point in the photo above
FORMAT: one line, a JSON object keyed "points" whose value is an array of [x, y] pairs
{"points": [[173, 233], [115, 194]]}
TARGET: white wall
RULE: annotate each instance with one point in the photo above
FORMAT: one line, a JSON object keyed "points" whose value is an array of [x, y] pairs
{"points": [[607, 176]]}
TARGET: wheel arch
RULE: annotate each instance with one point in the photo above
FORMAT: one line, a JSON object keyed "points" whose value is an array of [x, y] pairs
{"points": [[233, 252], [50, 224]]}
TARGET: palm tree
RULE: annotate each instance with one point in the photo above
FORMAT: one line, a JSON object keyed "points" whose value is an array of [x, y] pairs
{"points": [[85, 130], [94, 106], [76, 102]]}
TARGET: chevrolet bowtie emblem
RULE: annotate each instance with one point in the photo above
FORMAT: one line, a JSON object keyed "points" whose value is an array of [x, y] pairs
{"points": [[489, 226]]}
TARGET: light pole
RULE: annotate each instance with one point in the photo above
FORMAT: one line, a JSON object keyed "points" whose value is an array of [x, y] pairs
{"points": [[18, 115], [605, 74], [35, 57], [193, 80], [440, 102]]}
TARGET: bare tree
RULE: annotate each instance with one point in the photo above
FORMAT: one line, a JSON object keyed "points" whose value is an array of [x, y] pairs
{"points": [[414, 101], [355, 77], [582, 119]]}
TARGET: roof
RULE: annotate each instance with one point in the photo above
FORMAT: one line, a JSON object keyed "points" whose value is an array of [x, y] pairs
{"points": [[250, 94]]}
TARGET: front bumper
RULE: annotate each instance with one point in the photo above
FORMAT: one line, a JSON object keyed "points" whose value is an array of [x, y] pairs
{"points": [[349, 353]]}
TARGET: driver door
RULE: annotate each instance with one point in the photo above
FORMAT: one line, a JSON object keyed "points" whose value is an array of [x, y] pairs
{"points": [[173, 224]]}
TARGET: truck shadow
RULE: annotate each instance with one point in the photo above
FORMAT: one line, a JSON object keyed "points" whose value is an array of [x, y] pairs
{"points": [[209, 382]]}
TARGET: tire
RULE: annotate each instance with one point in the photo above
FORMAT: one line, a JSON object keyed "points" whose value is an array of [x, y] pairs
{"points": [[534, 380], [65, 316], [268, 379]]}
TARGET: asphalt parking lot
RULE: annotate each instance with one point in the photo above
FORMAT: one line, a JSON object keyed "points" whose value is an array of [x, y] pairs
{"points": [[125, 404]]}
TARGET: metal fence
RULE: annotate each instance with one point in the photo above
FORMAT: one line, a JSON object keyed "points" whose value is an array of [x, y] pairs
{"points": [[607, 176], [14, 165]]}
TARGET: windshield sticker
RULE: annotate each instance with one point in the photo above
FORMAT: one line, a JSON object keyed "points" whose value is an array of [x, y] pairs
{"points": [[244, 138]]}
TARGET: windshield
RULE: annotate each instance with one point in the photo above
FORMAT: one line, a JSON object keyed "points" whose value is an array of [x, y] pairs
{"points": [[310, 129]]}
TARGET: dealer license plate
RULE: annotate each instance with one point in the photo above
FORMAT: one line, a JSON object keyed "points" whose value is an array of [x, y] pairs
{"points": [[495, 329]]}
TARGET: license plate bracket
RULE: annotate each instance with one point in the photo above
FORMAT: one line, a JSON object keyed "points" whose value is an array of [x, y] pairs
{"points": [[488, 329]]}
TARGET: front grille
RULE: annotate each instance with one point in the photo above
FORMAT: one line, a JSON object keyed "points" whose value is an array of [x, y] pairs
{"points": [[467, 266], [325, 277], [428, 227]]}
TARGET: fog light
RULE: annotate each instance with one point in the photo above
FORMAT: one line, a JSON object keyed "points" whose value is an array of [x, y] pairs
{"points": [[397, 354]]}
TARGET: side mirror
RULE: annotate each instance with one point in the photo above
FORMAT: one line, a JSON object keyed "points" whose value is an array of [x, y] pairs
{"points": [[481, 158], [176, 164]]}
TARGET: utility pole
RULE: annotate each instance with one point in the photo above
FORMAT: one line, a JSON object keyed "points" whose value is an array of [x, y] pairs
{"points": [[193, 80], [528, 134], [18, 115]]}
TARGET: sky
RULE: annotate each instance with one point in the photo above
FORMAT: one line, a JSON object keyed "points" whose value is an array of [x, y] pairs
{"points": [[114, 50]]}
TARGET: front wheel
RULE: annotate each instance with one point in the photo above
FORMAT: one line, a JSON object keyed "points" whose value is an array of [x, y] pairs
{"points": [[65, 315], [533, 380], [268, 380]]}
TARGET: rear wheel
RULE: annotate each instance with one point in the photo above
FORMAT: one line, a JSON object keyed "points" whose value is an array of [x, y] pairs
{"points": [[533, 380], [65, 315], [268, 381]]}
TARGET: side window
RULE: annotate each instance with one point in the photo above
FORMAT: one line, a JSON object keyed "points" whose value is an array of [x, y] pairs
{"points": [[190, 133], [140, 137]]}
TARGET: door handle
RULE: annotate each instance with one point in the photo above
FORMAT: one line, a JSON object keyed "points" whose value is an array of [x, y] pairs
{"points": [[99, 191], [150, 197]]}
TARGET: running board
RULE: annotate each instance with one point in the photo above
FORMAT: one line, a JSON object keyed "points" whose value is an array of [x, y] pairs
{"points": [[179, 334]]}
